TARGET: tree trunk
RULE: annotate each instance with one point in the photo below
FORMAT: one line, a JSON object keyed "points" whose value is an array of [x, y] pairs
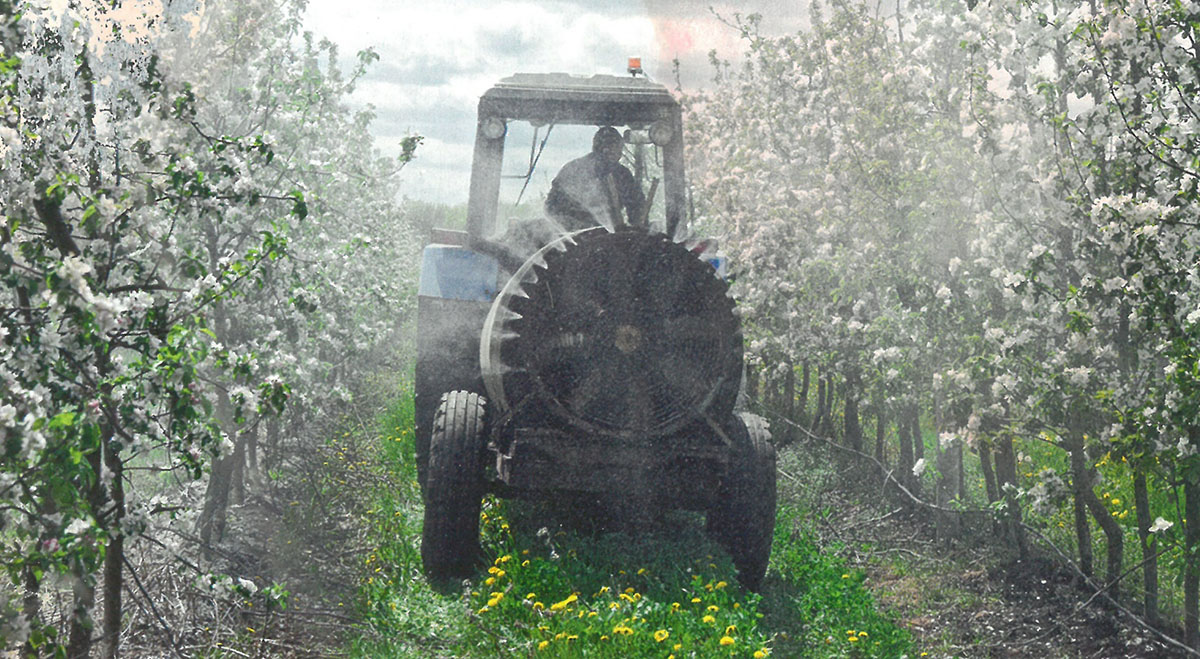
{"points": [[804, 376], [271, 457], [79, 636], [789, 403], [1080, 487], [1191, 575], [820, 414], [237, 478], [830, 398], [989, 476], [851, 427], [1141, 502], [1006, 471], [906, 454], [1113, 536], [114, 554], [252, 472], [216, 494], [914, 418], [31, 605], [880, 427]]}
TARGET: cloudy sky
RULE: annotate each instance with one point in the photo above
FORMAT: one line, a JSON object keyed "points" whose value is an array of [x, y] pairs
{"points": [[438, 56]]}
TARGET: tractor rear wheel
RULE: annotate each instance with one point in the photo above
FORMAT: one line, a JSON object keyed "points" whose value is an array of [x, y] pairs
{"points": [[454, 487], [743, 518]]}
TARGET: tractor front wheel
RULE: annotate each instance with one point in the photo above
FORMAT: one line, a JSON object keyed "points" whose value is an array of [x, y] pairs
{"points": [[454, 487]]}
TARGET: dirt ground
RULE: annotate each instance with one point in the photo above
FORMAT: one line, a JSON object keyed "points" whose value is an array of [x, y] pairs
{"points": [[968, 600]]}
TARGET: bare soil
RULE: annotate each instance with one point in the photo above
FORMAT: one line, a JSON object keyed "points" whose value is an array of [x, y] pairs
{"points": [[974, 599]]}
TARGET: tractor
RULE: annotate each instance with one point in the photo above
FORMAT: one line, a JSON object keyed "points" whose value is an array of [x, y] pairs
{"points": [[601, 362]]}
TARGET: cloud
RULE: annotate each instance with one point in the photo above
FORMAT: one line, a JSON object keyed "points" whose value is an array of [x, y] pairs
{"points": [[437, 58]]}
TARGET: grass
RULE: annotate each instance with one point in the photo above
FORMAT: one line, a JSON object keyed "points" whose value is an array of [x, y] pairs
{"points": [[554, 586]]}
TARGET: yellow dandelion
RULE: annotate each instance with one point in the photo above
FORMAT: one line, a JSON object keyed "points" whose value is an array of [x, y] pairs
{"points": [[731, 629], [852, 639], [559, 606], [1116, 502], [531, 596], [862, 634], [708, 620], [713, 608], [695, 600], [489, 581], [678, 647], [845, 576], [661, 635], [482, 611], [721, 584], [543, 645], [727, 640]]}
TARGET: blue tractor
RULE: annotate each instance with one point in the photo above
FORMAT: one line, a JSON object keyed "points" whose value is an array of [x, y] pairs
{"points": [[601, 362]]}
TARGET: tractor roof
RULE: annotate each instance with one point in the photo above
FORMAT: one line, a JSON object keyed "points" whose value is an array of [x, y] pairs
{"points": [[564, 98]]}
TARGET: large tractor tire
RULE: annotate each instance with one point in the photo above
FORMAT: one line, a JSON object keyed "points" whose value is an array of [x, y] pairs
{"points": [[743, 518], [454, 487]]}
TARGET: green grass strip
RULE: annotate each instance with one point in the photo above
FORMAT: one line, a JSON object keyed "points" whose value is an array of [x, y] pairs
{"points": [[554, 589]]}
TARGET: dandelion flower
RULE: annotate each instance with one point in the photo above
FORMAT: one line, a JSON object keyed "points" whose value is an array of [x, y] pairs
{"points": [[852, 639], [727, 640], [543, 645], [721, 584], [559, 606], [760, 654], [713, 608], [695, 600], [708, 620], [661, 635]]}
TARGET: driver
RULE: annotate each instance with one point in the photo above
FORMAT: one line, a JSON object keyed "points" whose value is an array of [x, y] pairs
{"points": [[594, 189]]}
